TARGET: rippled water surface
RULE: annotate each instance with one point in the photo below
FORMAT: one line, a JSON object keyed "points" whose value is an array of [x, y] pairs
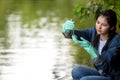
{"points": [[34, 53]]}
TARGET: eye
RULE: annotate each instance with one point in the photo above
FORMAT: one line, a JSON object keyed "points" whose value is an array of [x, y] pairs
{"points": [[105, 24], [97, 22]]}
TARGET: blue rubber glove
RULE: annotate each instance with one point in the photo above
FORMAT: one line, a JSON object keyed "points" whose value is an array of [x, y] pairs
{"points": [[86, 45], [67, 26]]}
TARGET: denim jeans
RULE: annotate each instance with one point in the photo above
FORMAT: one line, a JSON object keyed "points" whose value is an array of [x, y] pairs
{"points": [[86, 73]]}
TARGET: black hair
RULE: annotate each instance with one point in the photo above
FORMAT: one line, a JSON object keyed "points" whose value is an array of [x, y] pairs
{"points": [[111, 18]]}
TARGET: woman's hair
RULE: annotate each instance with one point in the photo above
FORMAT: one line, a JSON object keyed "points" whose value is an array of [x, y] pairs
{"points": [[111, 18]]}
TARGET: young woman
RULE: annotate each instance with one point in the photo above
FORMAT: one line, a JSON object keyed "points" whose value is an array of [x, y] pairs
{"points": [[103, 45]]}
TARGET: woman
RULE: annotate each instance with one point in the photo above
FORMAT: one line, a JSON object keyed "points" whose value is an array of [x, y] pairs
{"points": [[103, 45]]}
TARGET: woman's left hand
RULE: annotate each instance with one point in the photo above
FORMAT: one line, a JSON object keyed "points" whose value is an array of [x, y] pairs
{"points": [[86, 45]]}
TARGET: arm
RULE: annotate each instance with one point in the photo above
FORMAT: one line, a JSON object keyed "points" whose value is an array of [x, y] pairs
{"points": [[87, 34], [86, 45], [67, 31]]}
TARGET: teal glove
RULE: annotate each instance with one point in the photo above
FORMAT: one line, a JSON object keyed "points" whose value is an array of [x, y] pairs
{"points": [[86, 45], [67, 26]]}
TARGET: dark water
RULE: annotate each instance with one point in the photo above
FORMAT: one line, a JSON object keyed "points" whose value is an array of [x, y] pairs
{"points": [[32, 46]]}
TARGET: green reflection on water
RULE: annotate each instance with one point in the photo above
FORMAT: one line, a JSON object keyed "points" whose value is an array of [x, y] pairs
{"points": [[31, 9]]}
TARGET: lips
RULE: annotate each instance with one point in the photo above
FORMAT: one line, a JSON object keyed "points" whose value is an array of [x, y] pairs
{"points": [[98, 31]]}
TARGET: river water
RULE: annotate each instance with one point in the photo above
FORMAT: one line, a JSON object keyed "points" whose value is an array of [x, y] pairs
{"points": [[35, 50]]}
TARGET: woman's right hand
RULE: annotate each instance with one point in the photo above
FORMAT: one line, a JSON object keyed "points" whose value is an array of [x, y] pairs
{"points": [[67, 26]]}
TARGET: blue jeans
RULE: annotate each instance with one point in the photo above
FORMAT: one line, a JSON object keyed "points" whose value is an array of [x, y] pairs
{"points": [[86, 73]]}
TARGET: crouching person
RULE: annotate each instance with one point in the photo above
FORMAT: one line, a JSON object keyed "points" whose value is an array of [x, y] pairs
{"points": [[102, 43]]}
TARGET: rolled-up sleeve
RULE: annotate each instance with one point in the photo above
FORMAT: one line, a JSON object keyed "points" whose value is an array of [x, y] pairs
{"points": [[88, 34]]}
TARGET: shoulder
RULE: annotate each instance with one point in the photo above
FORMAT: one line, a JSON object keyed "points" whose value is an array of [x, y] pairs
{"points": [[113, 44], [116, 40]]}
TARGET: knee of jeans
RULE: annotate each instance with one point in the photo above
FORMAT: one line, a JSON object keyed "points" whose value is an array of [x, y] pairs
{"points": [[90, 78], [85, 78], [76, 72]]}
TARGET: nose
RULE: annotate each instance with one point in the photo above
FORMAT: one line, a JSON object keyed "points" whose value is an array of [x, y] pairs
{"points": [[99, 26]]}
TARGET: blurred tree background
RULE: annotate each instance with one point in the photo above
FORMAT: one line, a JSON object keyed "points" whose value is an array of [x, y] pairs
{"points": [[93, 7]]}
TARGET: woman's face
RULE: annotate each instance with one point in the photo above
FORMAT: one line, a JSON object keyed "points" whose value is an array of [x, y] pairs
{"points": [[102, 26]]}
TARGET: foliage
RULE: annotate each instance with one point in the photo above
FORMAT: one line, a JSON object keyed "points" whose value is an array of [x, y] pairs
{"points": [[94, 7]]}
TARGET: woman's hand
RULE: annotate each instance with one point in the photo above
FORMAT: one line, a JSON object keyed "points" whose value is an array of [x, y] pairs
{"points": [[67, 26], [86, 45]]}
